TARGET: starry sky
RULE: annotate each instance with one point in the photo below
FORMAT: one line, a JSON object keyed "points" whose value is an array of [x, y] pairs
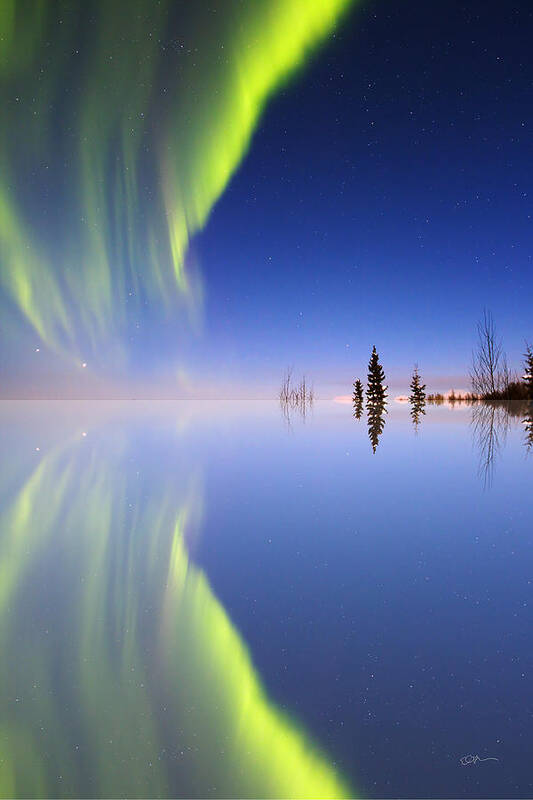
{"points": [[201, 198]]}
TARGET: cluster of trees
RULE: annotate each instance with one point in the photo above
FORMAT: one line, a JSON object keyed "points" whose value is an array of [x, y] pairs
{"points": [[295, 395], [376, 398], [492, 380], [494, 389], [494, 384], [438, 399]]}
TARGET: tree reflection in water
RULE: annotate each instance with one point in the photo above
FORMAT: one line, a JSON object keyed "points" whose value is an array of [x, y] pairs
{"points": [[490, 426]]}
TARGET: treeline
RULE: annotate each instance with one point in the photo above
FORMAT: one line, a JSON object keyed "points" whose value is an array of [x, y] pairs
{"points": [[438, 399], [376, 398], [492, 382]]}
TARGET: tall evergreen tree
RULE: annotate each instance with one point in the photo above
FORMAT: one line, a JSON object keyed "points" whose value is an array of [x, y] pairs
{"points": [[528, 373], [357, 399], [376, 394], [376, 399], [417, 398]]}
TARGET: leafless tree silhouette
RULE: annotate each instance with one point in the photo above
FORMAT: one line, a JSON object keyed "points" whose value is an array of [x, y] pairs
{"points": [[489, 372], [293, 396]]}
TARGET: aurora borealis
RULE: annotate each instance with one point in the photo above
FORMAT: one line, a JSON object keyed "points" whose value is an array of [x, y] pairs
{"points": [[130, 120], [200, 193], [213, 583]]}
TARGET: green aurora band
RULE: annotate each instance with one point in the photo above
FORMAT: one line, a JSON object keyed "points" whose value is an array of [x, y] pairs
{"points": [[115, 147], [131, 680]]}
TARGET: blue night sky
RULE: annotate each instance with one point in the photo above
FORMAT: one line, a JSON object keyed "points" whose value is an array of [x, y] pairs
{"points": [[385, 199]]}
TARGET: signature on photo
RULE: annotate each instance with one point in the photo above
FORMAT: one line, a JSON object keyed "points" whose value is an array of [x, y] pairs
{"points": [[467, 760]]}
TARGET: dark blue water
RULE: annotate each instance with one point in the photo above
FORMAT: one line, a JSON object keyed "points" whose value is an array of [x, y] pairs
{"points": [[159, 560]]}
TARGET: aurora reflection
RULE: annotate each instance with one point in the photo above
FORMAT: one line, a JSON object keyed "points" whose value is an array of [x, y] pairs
{"points": [[107, 699]]}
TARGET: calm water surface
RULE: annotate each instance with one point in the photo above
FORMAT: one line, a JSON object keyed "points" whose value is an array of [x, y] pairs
{"points": [[202, 600]]}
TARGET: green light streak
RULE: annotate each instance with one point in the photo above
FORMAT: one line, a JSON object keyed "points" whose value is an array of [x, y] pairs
{"points": [[276, 757], [131, 679], [131, 137], [270, 41]]}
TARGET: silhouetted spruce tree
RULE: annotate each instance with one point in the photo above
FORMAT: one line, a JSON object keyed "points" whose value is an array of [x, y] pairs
{"points": [[357, 399], [417, 398], [376, 394], [376, 399], [528, 373]]}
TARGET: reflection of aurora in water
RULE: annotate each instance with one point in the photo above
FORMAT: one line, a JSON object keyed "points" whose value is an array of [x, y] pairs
{"points": [[121, 671]]}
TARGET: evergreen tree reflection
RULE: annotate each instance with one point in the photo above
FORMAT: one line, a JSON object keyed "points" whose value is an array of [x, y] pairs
{"points": [[528, 380], [357, 399], [528, 428]]}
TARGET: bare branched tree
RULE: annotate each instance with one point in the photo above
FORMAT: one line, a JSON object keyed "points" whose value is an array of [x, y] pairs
{"points": [[295, 395], [489, 372], [285, 390]]}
